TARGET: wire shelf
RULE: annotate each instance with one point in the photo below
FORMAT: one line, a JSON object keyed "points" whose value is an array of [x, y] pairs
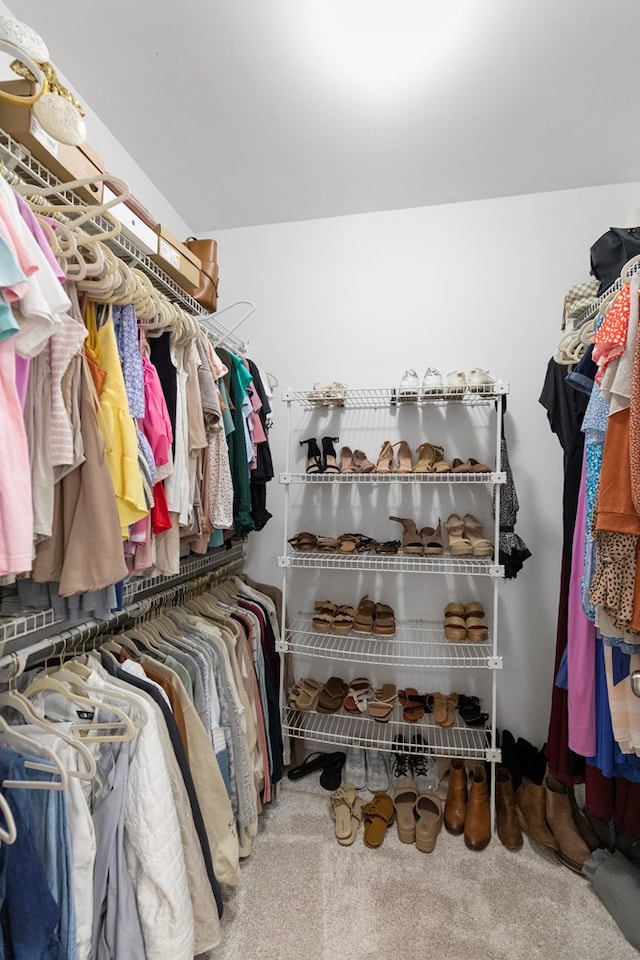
{"points": [[18, 159], [377, 397], [343, 729], [11, 628], [412, 645], [189, 567], [398, 563], [385, 478]]}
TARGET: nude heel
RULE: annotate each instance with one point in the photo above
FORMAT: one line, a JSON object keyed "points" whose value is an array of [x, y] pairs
{"points": [[346, 460], [459, 545], [404, 461], [473, 532], [386, 460], [411, 539], [432, 543], [361, 464]]}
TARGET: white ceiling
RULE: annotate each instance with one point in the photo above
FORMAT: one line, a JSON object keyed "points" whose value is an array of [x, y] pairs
{"points": [[258, 111]]}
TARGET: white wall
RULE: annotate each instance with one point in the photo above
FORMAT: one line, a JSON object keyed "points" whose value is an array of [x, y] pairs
{"points": [[117, 160], [358, 299]]}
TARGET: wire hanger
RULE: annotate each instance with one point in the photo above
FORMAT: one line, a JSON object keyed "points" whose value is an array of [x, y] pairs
{"points": [[229, 333]]}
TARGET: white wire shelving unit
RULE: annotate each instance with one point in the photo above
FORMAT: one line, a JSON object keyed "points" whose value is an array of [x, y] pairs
{"points": [[439, 479], [424, 737], [396, 563], [371, 398], [414, 644], [17, 160]]}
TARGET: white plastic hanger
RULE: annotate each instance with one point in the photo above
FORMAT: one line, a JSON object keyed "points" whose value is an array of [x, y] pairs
{"points": [[8, 833], [26, 744], [50, 684]]}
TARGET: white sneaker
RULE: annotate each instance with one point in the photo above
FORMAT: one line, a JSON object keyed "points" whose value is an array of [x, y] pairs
{"points": [[408, 389], [480, 381], [432, 381], [456, 382], [354, 771], [377, 771]]}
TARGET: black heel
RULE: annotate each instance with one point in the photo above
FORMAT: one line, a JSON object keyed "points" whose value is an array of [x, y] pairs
{"points": [[329, 455], [314, 457]]}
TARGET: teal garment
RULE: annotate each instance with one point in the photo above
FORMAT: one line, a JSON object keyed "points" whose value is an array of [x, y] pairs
{"points": [[239, 379], [182, 673], [10, 274], [227, 418], [216, 539]]}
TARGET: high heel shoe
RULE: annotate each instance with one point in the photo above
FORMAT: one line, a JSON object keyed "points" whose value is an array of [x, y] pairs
{"points": [[459, 545], [432, 543], [314, 457], [329, 462], [361, 464], [411, 539], [431, 460], [404, 462], [346, 460], [473, 532], [386, 460]]}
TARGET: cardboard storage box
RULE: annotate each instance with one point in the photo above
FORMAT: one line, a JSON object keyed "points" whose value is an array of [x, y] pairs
{"points": [[132, 226], [63, 161], [176, 259]]}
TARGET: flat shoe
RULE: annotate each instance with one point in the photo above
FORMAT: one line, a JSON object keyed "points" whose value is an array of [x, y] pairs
{"points": [[381, 704], [358, 696], [412, 704], [315, 761], [346, 809], [378, 815], [332, 695], [428, 809]]}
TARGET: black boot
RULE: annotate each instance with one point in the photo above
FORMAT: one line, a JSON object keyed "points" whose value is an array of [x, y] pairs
{"points": [[314, 457], [533, 762], [510, 757], [329, 462]]}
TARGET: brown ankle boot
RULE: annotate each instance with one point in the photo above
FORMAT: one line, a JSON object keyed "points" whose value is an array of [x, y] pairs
{"points": [[455, 807], [532, 813], [509, 830], [477, 823], [573, 851]]}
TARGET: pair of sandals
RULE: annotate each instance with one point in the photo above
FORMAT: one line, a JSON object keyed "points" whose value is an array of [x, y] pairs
{"points": [[415, 705], [465, 623], [362, 698], [348, 811], [332, 618]]}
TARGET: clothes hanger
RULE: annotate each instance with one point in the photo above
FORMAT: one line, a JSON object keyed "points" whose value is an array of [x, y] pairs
{"points": [[48, 683], [8, 833], [87, 211], [81, 684], [211, 318], [25, 744]]}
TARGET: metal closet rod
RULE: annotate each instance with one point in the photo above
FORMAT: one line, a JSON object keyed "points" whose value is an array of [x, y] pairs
{"points": [[91, 633]]}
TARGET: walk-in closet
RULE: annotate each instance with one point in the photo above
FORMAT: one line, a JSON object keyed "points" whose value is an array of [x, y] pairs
{"points": [[319, 480]]}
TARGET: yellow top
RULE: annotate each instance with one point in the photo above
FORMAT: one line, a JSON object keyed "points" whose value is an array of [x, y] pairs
{"points": [[116, 423]]}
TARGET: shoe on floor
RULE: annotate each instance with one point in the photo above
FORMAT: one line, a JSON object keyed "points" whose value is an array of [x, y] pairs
{"points": [[408, 387], [377, 772], [354, 772]]}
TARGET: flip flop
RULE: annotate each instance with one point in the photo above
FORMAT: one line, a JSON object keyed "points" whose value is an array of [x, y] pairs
{"points": [[378, 814], [315, 761], [332, 695], [331, 776]]}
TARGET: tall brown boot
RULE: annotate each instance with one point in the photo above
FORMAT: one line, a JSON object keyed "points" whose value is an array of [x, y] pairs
{"points": [[477, 823], [573, 851], [509, 830], [455, 806], [531, 811]]}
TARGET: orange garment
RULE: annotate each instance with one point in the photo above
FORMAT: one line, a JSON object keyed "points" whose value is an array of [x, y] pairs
{"points": [[172, 696], [610, 338], [615, 510]]}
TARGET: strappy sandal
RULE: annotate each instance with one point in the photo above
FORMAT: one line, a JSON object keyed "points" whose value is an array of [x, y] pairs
{"points": [[471, 712], [365, 615], [477, 467], [381, 704], [432, 543], [412, 703], [308, 691], [378, 815], [384, 621], [411, 539], [303, 541], [444, 708], [346, 810], [358, 696], [327, 544], [481, 547], [386, 461], [388, 548], [346, 460], [361, 464], [403, 460], [459, 545]]}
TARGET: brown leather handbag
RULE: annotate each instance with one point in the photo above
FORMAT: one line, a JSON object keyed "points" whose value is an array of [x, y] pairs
{"points": [[206, 293]]}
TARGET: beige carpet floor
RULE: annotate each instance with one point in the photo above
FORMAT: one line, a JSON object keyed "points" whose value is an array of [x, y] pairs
{"points": [[304, 897]]}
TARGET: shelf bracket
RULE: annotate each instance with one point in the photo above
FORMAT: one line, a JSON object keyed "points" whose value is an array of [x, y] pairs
{"points": [[499, 476], [494, 663], [493, 756], [284, 561], [282, 646], [496, 570], [284, 478], [287, 395]]}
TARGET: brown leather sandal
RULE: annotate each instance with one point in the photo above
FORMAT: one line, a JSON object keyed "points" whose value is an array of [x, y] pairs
{"points": [[381, 704], [361, 464], [365, 616], [384, 621], [432, 544]]}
